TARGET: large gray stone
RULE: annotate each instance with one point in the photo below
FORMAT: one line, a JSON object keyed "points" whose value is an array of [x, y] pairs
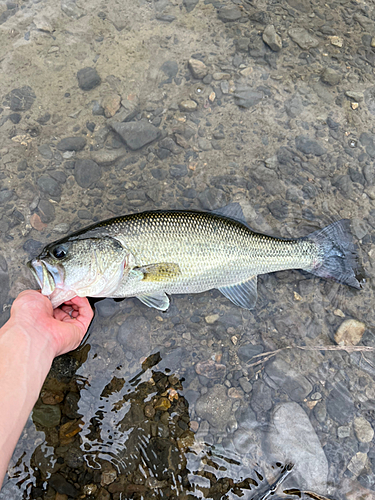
{"points": [[292, 439], [284, 376], [136, 134], [215, 407]]}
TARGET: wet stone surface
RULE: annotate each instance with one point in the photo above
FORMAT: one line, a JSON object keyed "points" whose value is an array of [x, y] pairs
{"points": [[191, 105]]}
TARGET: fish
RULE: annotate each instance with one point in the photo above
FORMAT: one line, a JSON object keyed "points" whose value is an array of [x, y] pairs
{"points": [[154, 254]]}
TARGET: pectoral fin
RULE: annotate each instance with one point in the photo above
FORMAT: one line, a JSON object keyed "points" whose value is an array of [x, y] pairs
{"points": [[242, 294], [158, 300], [163, 271]]}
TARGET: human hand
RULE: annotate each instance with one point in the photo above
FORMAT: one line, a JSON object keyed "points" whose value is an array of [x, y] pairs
{"points": [[63, 327]]}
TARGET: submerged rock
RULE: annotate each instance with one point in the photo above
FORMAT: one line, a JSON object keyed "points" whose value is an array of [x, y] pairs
{"points": [[136, 134], [292, 438], [215, 407]]}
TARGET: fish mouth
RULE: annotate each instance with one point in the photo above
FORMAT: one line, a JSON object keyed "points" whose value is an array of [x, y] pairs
{"points": [[48, 277]]}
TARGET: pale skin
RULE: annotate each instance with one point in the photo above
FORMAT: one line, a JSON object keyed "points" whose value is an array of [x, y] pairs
{"points": [[33, 336]]}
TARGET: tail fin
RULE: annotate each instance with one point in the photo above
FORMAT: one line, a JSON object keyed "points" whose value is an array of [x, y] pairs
{"points": [[339, 259]]}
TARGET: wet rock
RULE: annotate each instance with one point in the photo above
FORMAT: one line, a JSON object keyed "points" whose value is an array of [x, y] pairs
{"points": [[190, 4], [88, 78], [260, 16], [169, 144], [288, 379], [212, 198], [245, 385], [330, 77], [46, 415], [369, 95], [107, 308], [261, 397], [357, 463], [20, 99], [215, 407], [308, 146], [32, 247], [303, 38], [71, 9], [229, 14], [70, 406], [134, 334], [68, 430], [198, 69], [271, 38], [37, 223], [279, 209], [45, 151], [188, 105], [292, 438], [344, 184], [293, 106], [71, 144], [210, 369], [340, 405], [5, 195], [247, 98], [363, 430], [248, 351], [61, 485], [52, 398], [108, 476], [178, 171], [49, 185], [170, 69], [350, 332], [46, 211], [86, 173], [136, 134], [111, 104]]}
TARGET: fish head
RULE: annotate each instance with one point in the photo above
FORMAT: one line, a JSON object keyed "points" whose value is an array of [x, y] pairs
{"points": [[81, 267]]}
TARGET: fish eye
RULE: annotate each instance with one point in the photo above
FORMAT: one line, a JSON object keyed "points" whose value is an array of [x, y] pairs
{"points": [[59, 252]]}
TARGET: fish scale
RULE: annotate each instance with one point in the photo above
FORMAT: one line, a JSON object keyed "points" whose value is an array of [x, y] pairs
{"points": [[156, 253]]}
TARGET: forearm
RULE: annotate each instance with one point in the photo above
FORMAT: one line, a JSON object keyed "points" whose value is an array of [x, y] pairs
{"points": [[24, 363]]}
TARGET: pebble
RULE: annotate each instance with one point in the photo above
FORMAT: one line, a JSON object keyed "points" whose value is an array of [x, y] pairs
{"points": [[343, 431], [46, 211], [337, 41], [86, 173], [68, 430], [45, 151], [330, 77], [271, 38], [308, 146], [245, 384], [62, 486], [46, 415], [247, 98], [71, 9], [162, 404], [111, 104], [229, 14], [292, 438], [215, 407], [136, 134], [49, 185], [363, 430], [52, 398], [36, 222], [288, 379], [248, 351], [210, 369], [188, 105], [340, 405], [357, 463], [198, 69], [71, 144], [350, 332], [303, 38], [20, 99], [88, 78], [356, 96]]}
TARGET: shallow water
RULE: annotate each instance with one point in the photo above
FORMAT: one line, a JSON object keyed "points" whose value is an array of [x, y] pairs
{"points": [[207, 399]]}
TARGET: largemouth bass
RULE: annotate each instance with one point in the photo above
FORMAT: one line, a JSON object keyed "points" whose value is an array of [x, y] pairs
{"points": [[151, 254]]}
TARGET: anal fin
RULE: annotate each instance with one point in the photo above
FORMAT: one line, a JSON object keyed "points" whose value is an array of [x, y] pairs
{"points": [[158, 300], [242, 294]]}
